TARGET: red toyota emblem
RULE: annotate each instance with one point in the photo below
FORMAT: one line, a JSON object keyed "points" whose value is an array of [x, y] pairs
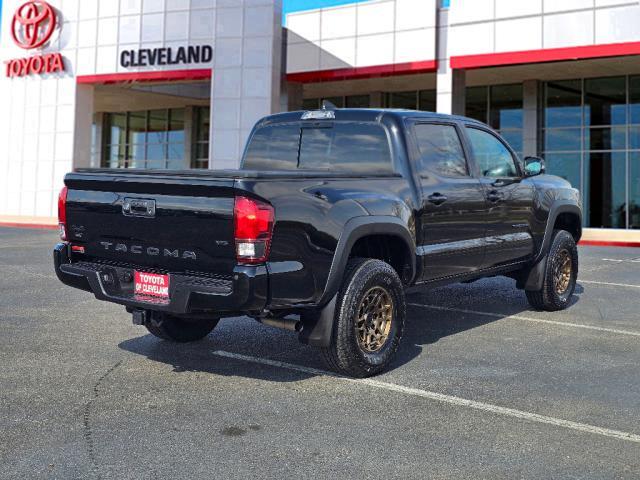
{"points": [[33, 24]]}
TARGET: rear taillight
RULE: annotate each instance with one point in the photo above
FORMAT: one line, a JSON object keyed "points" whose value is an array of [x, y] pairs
{"points": [[253, 230], [62, 213]]}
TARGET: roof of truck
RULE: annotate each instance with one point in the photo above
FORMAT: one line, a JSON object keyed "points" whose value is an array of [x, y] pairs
{"points": [[364, 115]]}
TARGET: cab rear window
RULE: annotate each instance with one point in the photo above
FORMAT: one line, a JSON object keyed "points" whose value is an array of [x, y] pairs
{"points": [[345, 146]]}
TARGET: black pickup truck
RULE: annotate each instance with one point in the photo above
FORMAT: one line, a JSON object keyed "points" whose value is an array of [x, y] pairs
{"points": [[332, 216]]}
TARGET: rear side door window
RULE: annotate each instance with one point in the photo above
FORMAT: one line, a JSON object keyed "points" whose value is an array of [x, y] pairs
{"points": [[440, 150], [491, 155]]}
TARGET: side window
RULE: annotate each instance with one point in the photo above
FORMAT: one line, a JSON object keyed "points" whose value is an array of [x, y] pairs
{"points": [[492, 157], [440, 150]]}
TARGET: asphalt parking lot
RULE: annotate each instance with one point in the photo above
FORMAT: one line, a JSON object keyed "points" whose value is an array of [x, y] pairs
{"points": [[483, 387]]}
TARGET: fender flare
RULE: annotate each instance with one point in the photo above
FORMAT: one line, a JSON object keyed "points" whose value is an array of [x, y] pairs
{"points": [[558, 207], [354, 230], [535, 277], [318, 323]]}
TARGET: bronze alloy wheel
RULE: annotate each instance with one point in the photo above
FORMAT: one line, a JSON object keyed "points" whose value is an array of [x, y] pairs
{"points": [[373, 323], [562, 272]]}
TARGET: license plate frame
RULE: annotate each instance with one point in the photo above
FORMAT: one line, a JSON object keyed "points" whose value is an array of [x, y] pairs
{"points": [[155, 285]]}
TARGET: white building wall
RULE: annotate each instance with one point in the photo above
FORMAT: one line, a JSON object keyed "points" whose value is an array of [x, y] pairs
{"points": [[45, 126], [37, 124], [497, 26], [44, 132], [365, 34], [485, 27]]}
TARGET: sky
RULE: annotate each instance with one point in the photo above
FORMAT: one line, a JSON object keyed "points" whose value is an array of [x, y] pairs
{"points": [[299, 5]]}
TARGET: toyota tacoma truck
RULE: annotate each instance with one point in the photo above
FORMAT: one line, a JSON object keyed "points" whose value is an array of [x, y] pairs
{"points": [[332, 216]]}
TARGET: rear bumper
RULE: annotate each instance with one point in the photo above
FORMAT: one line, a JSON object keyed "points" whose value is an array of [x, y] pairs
{"points": [[245, 291]]}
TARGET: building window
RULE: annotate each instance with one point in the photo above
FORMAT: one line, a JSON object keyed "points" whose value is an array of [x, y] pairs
{"points": [[202, 128], [155, 139], [477, 103], [146, 139], [427, 100], [499, 106], [424, 100], [349, 101], [96, 130], [404, 100], [311, 104], [357, 101], [590, 136], [412, 100], [634, 189]]}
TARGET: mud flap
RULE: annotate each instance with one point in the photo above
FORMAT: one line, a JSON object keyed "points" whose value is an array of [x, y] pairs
{"points": [[534, 279], [317, 325]]}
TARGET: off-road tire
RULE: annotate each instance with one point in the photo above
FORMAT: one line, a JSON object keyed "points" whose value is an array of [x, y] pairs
{"points": [[345, 354], [548, 298], [180, 330]]}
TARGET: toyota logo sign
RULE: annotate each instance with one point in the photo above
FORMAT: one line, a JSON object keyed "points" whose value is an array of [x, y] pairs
{"points": [[33, 24]]}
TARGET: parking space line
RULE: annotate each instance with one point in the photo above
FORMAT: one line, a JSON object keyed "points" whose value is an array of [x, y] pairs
{"points": [[440, 397], [625, 260], [592, 282], [529, 319]]}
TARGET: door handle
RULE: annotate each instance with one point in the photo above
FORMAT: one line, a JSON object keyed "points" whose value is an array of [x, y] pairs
{"points": [[494, 196], [437, 198], [499, 183]]}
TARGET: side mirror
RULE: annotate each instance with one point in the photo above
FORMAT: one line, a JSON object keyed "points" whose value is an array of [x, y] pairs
{"points": [[533, 166]]}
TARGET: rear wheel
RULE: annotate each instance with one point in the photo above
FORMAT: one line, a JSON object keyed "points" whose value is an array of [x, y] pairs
{"points": [[180, 330], [560, 275], [369, 319]]}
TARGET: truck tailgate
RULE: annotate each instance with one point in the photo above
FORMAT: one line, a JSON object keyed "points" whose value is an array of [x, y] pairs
{"points": [[167, 221]]}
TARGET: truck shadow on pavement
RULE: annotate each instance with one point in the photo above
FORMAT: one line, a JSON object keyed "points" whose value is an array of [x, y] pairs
{"points": [[425, 326]]}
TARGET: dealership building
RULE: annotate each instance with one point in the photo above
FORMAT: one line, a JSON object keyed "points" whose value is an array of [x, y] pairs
{"points": [[178, 84]]}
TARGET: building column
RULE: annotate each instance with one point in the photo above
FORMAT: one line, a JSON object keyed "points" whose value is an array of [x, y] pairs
{"points": [[189, 136], [290, 96], [530, 89], [247, 70], [291, 93], [83, 126], [450, 84]]}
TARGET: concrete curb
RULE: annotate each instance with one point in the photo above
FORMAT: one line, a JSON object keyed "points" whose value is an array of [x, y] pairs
{"points": [[16, 221], [32, 226], [602, 243]]}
